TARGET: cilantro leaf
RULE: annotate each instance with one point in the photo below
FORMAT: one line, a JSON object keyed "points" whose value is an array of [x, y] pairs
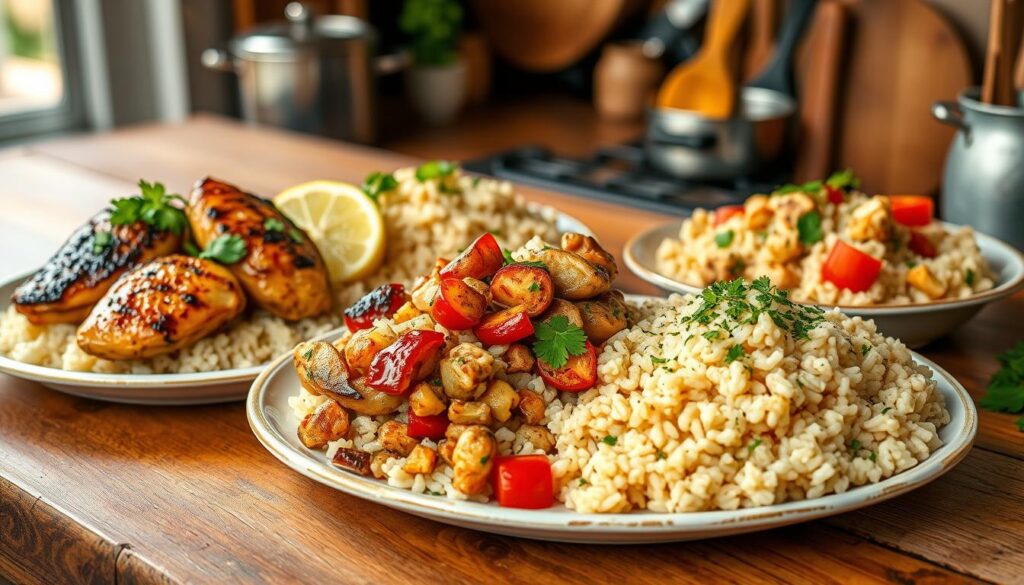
{"points": [[809, 228], [557, 339], [843, 179], [101, 241], [272, 224], [378, 183], [126, 211], [226, 249], [723, 239], [152, 206]]}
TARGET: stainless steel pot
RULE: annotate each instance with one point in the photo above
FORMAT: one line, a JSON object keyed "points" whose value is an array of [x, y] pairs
{"points": [[983, 180], [312, 74], [691, 146]]}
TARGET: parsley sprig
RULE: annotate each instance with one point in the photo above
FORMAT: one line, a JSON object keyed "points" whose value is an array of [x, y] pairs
{"points": [[153, 206], [729, 304], [557, 339], [1006, 388], [378, 183], [226, 249]]}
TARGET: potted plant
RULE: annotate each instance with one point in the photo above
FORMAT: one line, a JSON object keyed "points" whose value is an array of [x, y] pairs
{"points": [[437, 80]]}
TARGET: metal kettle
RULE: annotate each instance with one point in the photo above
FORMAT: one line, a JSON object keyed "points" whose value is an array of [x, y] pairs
{"points": [[313, 74]]}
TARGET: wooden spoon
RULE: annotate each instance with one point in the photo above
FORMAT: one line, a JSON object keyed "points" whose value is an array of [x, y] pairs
{"points": [[706, 83]]}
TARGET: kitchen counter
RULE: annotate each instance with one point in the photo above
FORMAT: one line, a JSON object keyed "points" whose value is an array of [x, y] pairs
{"points": [[104, 493]]}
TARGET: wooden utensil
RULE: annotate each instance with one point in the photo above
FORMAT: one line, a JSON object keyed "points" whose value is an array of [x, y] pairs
{"points": [[903, 56], [706, 83], [778, 74], [764, 20], [819, 95], [1003, 39]]}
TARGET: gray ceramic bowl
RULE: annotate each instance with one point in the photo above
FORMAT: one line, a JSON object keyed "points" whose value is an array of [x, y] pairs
{"points": [[915, 324]]}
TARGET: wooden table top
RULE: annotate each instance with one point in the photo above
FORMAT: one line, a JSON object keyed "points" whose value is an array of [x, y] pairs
{"points": [[97, 492]]}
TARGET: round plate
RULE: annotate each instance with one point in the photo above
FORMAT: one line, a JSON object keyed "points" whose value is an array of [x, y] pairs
{"points": [[168, 389], [915, 324], [275, 425]]}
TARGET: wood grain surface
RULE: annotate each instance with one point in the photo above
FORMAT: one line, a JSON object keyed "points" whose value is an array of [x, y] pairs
{"points": [[92, 492]]}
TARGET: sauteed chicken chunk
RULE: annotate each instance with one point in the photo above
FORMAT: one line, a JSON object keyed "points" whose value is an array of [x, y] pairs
{"points": [[74, 279], [160, 307], [282, 270]]}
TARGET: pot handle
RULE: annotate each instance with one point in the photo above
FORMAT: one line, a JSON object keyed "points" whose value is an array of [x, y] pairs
{"points": [[218, 60], [697, 141], [949, 113], [391, 64]]}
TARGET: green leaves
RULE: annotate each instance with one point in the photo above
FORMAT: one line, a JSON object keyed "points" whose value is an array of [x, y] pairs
{"points": [[969, 277], [378, 183], [101, 241], [843, 179], [1006, 388], [226, 249], [435, 169], [433, 29], [735, 353], [724, 239], [557, 339], [152, 206], [809, 228], [610, 440], [272, 224], [753, 446], [811, 187]]}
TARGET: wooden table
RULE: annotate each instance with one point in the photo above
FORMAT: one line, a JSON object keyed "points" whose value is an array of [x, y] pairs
{"points": [[96, 492]]}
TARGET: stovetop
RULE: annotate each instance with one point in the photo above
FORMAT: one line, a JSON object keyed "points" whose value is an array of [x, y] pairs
{"points": [[617, 174]]}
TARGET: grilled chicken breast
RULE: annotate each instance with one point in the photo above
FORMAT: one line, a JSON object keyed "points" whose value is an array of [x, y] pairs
{"points": [[160, 307], [74, 279], [282, 271]]}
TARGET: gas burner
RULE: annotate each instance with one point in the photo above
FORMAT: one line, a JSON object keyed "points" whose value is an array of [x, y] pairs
{"points": [[617, 174]]}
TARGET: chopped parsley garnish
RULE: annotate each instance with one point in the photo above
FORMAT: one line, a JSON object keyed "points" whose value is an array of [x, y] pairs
{"points": [[728, 304], [865, 349], [534, 287], [710, 335], [753, 446], [969, 277], [226, 249], [557, 339], [272, 224], [839, 180], [610, 440], [296, 236], [378, 183], [152, 206], [485, 459], [509, 260], [441, 170], [843, 179], [101, 241], [661, 455], [873, 457], [723, 239], [809, 187], [1006, 388], [655, 360], [508, 256], [911, 264], [886, 409], [809, 228], [583, 482], [854, 446], [735, 353]]}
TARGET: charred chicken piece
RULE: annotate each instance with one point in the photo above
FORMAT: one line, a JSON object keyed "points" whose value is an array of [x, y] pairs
{"points": [[322, 372], [74, 279], [329, 422], [161, 307], [575, 278], [282, 270], [591, 251]]}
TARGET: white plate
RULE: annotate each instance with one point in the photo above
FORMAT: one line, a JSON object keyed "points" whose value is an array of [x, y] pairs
{"points": [[275, 426], [165, 389], [915, 324]]}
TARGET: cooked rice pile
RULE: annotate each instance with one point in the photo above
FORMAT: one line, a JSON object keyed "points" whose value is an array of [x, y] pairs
{"points": [[675, 426], [421, 222], [759, 248]]}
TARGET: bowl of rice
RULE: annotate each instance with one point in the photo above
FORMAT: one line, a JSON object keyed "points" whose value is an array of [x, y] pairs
{"points": [[918, 282], [418, 215], [729, 411]]}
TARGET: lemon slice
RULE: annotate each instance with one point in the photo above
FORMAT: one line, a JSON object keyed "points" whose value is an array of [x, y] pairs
{"points": [[343, 222]]}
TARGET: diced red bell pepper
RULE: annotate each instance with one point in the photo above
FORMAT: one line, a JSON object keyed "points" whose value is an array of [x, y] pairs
{"points": [[577, 375], [922, 245], [408, 360], [834, 195], [481, 259], [379, 303], [523, 481], [722, 214], [458, 306], [504, 327], [847, 267], [912, 210], [431, 426]]}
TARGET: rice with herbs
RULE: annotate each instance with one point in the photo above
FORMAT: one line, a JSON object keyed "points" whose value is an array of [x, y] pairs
{"points": [[772, 237], [421, 218]]}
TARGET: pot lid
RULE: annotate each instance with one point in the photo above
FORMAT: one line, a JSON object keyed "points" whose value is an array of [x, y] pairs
{"points": [[303, 32]]}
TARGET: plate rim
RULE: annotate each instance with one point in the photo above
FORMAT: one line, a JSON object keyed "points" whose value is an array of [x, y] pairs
{"points": [[568, 526], [1000, 291]]}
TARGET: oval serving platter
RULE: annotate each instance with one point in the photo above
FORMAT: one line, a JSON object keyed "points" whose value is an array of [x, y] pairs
{"points": [[275, 425], [167, 389], [915, 324]]}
